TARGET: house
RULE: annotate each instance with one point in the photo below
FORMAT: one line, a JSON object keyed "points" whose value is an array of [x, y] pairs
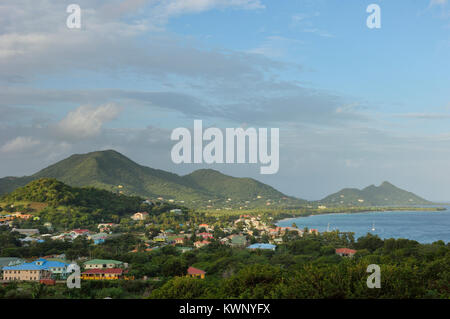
{"points": [[6, 218], [278, 240], [195, 273], [30, 239], [206, 235], [79, 232], [99, 241], [98, 238], [105, 227], [139, 216], [57, 268], [176, 211], [22, 216], [160, 238], [36, 271], [238, 241], [345, 252], [8, 262], [103, 264], [262, 246], [104, 274], [275, 231], [206, 227], [25, 272], [27, 232], [199, 244], [179, 240]]}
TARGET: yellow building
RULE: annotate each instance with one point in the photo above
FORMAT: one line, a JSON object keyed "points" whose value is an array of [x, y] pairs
{"points": [[104, 274]]}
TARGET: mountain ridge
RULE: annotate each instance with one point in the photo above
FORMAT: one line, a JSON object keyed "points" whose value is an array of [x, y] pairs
{"points": [[372, 195], [113, 171]]}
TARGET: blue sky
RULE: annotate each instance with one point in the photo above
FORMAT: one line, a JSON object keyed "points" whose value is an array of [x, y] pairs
{"points": [[355, 106]]}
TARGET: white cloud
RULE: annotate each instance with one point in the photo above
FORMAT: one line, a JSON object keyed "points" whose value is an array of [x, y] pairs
{"points": [[438, 2], [86, 121], [20, 144], [168, 8]]}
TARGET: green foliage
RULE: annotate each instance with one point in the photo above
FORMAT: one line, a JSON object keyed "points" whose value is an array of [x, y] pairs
{"points": [[72, 207], [182, 288]]}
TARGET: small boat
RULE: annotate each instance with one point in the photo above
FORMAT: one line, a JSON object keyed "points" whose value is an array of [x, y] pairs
{"points": [[373, 226]]}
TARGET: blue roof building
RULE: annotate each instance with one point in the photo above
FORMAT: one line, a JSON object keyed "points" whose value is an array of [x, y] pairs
{"points": [[55, 267], [262, 246]]}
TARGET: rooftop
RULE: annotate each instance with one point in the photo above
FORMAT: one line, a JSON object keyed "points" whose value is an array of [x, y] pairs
{"points": [[102, 261], [262, 246], [195, 271]]}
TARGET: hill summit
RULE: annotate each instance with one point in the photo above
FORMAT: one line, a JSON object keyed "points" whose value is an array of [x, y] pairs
{"points": [[384, 195], [114, 172]]}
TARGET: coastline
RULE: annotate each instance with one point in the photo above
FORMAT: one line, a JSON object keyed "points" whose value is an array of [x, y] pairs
{"points": [[353, 210]]}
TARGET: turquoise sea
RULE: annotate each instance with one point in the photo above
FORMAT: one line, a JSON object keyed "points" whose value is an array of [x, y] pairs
{"points": [[422, 226]]}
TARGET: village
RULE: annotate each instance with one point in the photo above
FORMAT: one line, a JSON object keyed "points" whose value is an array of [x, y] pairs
{"points": [[246, 232]]}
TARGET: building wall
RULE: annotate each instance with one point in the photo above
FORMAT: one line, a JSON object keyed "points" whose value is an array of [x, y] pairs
{"points": [[25, 275]]}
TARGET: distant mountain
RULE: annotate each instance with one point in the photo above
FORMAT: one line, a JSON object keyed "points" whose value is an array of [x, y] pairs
{"points": [[113, 171], [384, 195]]}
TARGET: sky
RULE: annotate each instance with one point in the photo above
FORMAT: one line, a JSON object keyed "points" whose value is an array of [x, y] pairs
{"points": [[355, 106]]}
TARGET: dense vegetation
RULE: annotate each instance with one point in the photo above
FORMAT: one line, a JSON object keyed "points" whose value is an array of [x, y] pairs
{"points": [[66, 205], [56, 193], [304, 267]]}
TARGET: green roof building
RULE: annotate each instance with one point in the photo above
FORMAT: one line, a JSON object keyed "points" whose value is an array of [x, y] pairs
{"points": [[103, 264]]}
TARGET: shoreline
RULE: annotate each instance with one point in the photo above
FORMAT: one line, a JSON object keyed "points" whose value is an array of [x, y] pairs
{"points": [[355, 210]]}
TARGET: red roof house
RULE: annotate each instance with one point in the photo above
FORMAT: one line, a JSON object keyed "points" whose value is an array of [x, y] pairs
{"points": [[195, 272], [345, 252]]}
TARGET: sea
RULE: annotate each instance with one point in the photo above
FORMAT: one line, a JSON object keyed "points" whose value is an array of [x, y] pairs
{"points": [[422, 226]]}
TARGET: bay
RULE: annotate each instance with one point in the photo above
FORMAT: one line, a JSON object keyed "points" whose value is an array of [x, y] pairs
{"points": [[422, 226]]}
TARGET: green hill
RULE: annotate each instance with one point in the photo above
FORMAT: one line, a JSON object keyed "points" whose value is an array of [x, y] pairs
{"points": [[384, 195], [55, 194], [232, 187], [114, 172]]}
